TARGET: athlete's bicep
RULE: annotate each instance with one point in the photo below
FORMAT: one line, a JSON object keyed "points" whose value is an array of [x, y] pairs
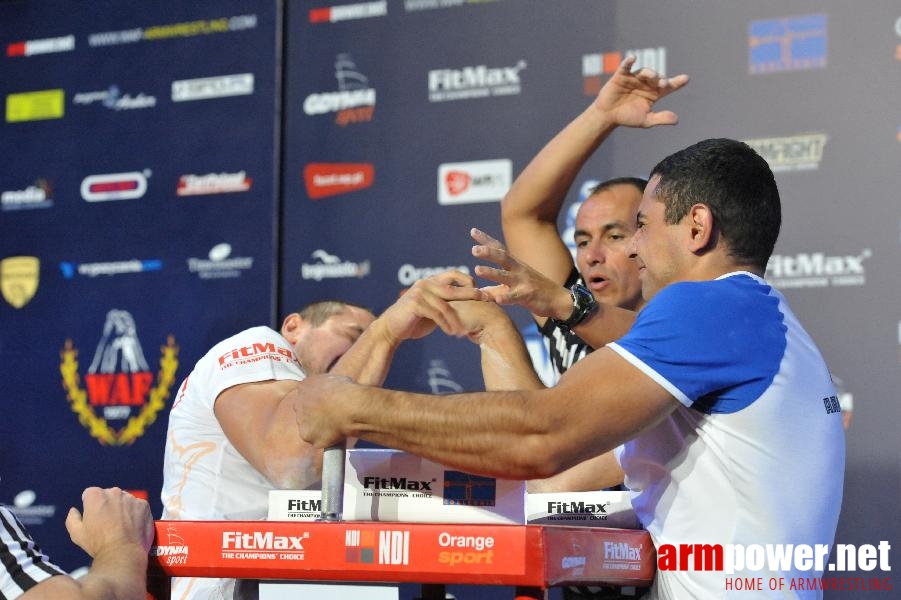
{"points": [[257, 422], [608, 401]]}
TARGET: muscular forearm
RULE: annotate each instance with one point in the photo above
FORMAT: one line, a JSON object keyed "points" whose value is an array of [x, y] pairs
{"points": [[503, 437], [114, 575], [369, 359], [506, 364]]}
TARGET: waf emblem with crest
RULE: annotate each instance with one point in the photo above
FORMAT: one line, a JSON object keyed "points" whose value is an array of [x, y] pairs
{"points": [[121, 396]]}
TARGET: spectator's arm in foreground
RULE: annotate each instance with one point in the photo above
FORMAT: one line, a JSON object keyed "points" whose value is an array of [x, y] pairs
{"points": [[116, 529]]}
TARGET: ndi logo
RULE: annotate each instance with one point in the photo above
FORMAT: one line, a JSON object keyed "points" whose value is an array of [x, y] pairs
{"points": [[598, 66]]}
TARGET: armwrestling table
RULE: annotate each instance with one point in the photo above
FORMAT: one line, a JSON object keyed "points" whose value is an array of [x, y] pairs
{"points": [[530, 557]]}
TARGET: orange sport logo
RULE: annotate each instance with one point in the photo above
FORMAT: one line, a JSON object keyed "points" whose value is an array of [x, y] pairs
{"points": [[121, 397]]}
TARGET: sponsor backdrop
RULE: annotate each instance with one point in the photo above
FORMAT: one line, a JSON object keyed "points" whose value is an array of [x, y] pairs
{"points": [[173, 175], [138, 185]]}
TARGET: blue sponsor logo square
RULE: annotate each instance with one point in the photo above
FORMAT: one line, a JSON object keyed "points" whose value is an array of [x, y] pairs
{"points": [[469, 490], [787, 44]]}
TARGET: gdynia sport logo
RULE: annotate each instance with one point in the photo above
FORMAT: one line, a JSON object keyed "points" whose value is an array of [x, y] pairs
{"points": [[782, 566]]}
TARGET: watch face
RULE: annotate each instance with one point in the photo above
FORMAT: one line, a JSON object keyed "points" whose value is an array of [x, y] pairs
{"points": [[582, 296], [583, 304]]}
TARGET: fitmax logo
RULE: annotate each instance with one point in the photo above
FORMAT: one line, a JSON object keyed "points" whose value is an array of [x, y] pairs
{"points": [[621, 551], [258, 540], [305, 505], [816, 264], [396, 483], [576, 508], [470, 77]]}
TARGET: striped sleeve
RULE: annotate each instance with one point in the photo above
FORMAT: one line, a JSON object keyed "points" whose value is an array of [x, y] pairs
{"points": [[22, 564]]}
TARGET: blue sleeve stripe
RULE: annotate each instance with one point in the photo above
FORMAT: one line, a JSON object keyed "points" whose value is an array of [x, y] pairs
{"points": [[657, 377]]}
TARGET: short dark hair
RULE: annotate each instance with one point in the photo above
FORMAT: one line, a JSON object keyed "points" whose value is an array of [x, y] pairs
{"points": [[637, 182], [736, 183], [317, 313]]}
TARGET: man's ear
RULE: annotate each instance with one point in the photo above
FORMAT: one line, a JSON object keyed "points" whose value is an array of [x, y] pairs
{"points": [[701, 225], [291, 327]]}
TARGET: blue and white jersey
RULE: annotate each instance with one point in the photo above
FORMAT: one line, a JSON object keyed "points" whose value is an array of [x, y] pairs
{"points": [[755, 451]]}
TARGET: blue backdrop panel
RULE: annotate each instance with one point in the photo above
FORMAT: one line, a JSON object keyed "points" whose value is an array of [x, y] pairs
{"points": [[147, 199], [466, 92]]}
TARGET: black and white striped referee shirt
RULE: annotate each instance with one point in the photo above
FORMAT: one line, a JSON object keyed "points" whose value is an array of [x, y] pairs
{"points": [[22, 564]]}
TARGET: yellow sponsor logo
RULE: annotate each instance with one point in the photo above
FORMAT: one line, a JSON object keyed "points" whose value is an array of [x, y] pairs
{"points": [[19, 276], [35, 106]]}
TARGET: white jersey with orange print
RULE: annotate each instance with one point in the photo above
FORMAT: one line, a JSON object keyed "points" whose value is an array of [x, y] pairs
{"points": [[204, 476]]}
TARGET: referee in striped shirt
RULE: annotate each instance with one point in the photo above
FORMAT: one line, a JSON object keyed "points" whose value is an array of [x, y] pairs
{"points": [[116, 529]]}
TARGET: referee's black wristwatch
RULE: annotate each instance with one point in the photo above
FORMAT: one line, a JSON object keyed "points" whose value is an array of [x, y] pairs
{"points": [[583, 305]]}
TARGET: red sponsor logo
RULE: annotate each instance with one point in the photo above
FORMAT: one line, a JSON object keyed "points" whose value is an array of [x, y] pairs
{"points": [[457, 182], [114, 186], [320, 15], [256, 352], [331, 179], [348, 12], [16, 49], [65, 43]]}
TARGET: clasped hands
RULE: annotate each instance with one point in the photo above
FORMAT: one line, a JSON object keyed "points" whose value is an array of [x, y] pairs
{"points": [[452, 302]]}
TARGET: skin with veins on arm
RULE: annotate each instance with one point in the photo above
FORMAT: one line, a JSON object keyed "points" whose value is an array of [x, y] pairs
{"points": [[514, 434], [258, 418], [506, 365]]}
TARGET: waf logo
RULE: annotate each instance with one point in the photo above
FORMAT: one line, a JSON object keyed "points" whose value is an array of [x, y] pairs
{"points": [[330, 179], [114, 186], [596, 68], [118, 383], [377, 547]]}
